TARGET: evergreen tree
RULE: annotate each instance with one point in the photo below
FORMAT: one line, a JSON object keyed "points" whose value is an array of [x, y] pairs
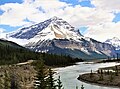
{"points": [[76, 87], [59, 83], [82, 87], [98, 71], [116, 70], [111, 77], [51, 81], [91, 74], [40, 81], [101, 75], [108, 72]]}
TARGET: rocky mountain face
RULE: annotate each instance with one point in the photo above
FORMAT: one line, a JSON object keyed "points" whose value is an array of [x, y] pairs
{"points": [[57, 36], [115, 42]]}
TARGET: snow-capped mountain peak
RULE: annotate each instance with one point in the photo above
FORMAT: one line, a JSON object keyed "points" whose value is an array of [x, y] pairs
{"points": [[115, 42], [54, 18], [114, 39], [52, 28], [60, 22]]}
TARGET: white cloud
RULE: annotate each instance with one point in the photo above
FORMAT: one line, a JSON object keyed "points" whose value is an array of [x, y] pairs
{"points": [[28, 1], [2, 33], [111, 5], [104, 31], [39, 10], [2, 30], [83, 0], [15, 14], [36, 11]]}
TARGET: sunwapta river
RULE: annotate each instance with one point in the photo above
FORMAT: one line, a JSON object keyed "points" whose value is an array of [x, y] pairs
{"points": [[69, 75]]}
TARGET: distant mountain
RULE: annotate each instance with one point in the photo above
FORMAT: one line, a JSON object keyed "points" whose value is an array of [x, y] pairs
{"points": [[115, 42], [57, 36]]}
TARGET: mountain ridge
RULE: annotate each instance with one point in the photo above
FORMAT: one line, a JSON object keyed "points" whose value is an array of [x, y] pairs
{"points": [[55, 33], [115, 42]]}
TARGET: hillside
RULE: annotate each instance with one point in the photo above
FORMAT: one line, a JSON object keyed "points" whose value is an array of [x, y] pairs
{"points": [[11, 53]]}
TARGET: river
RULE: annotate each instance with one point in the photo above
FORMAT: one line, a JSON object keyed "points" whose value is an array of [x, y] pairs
{"points": [[69, 75]]}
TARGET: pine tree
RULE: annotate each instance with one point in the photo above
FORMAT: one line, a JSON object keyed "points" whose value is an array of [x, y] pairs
{"points": [[59, 83], [51, 81], [82, 87], [111, 77], [116, 70], [91, 74], [101, 75], [40, 81], [98, 71], [76, 87], [108, 72]]}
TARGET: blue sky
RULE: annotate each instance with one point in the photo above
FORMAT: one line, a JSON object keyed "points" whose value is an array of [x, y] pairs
{"points": [[83, 14], [117, 18], [10, 1], [85, 3]]}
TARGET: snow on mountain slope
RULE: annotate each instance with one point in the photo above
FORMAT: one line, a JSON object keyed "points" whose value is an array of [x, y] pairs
{"points": [[52, 28], [57, 36], [115, 42]]}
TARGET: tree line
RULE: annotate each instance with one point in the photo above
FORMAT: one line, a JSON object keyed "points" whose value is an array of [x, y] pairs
{"points": [[12, 54]]}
